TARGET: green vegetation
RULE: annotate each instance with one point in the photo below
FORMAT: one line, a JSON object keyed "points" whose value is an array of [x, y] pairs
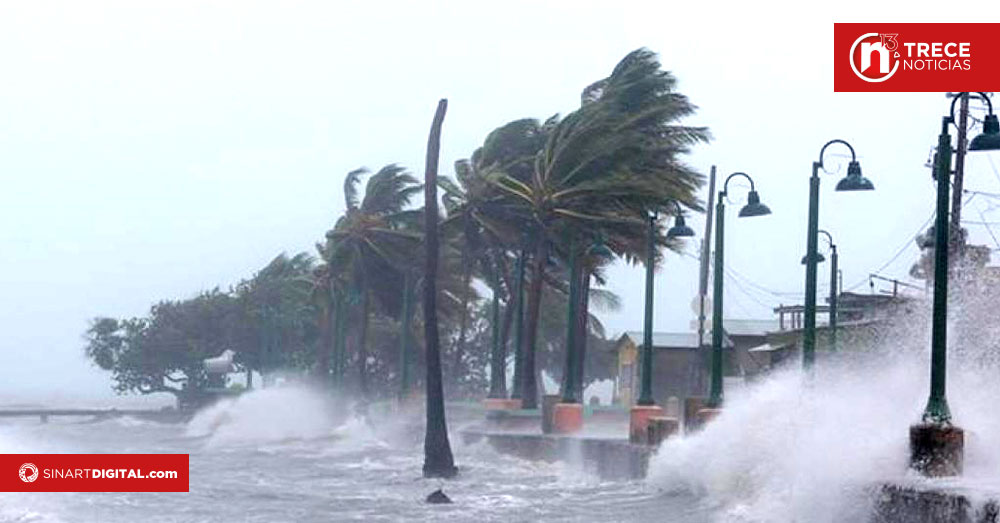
{"points": [[545, 190]]}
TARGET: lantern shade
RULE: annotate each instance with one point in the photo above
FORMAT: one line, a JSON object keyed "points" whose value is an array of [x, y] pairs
{"points": [[754, 207], [680, 229], [989, 140], [819, 258], [854, 181]]}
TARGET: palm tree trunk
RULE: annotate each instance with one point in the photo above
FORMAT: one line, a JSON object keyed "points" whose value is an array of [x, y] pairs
{"points": [[529, 391], [340, 342], [498, 357], [463, 322], [518, 315], [404, 337], [438, 460], [363, 345], [582, 332], [508, 314], [325, 348]]}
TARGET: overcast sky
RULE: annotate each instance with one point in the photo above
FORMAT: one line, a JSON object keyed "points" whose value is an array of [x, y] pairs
{"points": [[153, 152]]}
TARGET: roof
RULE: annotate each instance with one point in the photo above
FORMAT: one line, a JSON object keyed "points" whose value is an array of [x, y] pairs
{"points": [[672, 340], [767, 347], [749, 327]]}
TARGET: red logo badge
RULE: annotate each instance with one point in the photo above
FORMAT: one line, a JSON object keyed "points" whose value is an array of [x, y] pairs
{"points": [[915, 57]]}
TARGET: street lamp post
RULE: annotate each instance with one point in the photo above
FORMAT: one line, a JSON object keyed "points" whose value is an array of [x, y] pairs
{"points": [[568, 413], [645, 405], [854, 181], [833, 285], [752, 208], [936, 446]]}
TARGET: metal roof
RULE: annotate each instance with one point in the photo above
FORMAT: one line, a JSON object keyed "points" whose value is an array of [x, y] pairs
{"points": [[674, 340]]}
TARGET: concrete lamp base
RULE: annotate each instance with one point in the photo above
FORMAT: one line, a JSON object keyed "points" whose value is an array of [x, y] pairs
{"points": [[638, 421], [661, 428], [501, 404], [706, 415], [936, 449], [567, 418]]}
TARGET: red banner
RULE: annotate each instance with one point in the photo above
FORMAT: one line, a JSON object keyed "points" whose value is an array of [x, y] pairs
{"points": [[94, 472], [916, 57]]}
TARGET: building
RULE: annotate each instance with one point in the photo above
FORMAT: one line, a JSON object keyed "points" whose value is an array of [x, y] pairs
{"points": [[680, 369], [751, 348]]}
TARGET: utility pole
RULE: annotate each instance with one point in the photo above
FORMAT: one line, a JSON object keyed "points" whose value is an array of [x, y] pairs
{"points": [[955, 241], [706, 251]]}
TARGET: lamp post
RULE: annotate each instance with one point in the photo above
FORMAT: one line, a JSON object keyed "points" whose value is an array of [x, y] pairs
{"points": [[568, 413], [752, 208], [854, 181], [646, 406], [833, 285], [936, 446]]}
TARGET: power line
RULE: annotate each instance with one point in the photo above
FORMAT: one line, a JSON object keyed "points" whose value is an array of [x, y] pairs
{"points": [[988, 228], [899, 252]]}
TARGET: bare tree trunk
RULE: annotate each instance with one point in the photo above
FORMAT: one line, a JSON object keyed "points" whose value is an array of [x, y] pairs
{"points": [[438, 460], [529, 391]]}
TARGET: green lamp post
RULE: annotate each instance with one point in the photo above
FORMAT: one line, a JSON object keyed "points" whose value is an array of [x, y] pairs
{"points": [[679, 230], [752, 208], [833, 285], [854, 181], [936, 446]]}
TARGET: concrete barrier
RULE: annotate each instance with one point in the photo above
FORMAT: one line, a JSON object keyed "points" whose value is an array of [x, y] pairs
{"points": [[612, 459], [929, 504]]}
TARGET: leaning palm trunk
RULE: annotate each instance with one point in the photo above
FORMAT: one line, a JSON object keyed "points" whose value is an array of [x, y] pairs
{"points": [[582, 318], [518, 314], [463, 322], [438, 460], [325, 349], [498, 355], [339, 338], [363, 345], [529, 389], [406, 321]]}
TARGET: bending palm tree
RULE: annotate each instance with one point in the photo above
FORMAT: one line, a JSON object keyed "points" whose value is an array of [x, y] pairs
{"points": [[601, 170], [372, 243]]}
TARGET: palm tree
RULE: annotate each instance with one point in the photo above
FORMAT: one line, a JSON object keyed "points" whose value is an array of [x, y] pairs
{"points": [[485, 232], [277, 300], [438, 459], [371, 243], [601, 170]]}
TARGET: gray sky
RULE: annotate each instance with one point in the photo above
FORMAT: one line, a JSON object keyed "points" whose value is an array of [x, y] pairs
{"points": [[152, 152]]}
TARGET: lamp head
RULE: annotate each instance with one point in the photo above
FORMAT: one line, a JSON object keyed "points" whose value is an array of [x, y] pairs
{"points": [[819, 258], [854, 181], [680, 229], [989, 140], [753, 206]]}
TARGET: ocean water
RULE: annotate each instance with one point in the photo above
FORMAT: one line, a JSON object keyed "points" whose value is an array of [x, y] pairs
{"points": [[790, 448], [287, 455]]}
